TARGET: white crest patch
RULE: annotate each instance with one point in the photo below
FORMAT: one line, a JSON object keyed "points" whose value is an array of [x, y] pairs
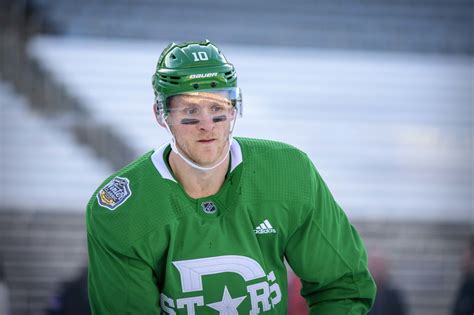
{"points": [[112, 195]]}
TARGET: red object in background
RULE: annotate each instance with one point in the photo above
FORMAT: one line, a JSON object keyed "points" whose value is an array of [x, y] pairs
{"points": [[296, 303]]}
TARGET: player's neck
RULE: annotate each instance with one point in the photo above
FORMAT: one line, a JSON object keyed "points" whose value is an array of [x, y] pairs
{"points": [[197, 183]]}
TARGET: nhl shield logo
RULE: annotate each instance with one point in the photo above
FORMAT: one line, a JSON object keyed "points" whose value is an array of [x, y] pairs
{"points": [[114, 193], [209, 207]]}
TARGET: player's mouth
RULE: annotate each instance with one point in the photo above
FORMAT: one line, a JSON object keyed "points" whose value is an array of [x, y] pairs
{"points": [[207, 140]]}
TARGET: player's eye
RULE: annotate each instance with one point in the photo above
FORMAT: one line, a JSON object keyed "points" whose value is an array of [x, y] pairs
{"points": [[217, 108], [191, 111]]}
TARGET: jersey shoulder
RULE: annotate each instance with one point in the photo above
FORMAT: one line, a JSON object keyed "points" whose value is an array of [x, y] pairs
{"points": [[276, 154], [253, 146], [275, 169], [115, 189], [129, 204]]}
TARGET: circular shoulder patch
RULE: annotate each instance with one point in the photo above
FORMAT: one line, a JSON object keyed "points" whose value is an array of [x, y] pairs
{"points": [[114, 193]]}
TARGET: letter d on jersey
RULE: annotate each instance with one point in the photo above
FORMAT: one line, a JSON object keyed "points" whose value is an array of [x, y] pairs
{"points": [[192, 271], [263, 297]]}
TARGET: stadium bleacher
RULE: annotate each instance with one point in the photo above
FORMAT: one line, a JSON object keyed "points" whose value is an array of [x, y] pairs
{"points": [[388, 132], [46, 180], [423, 26], [42, 167], [41, 250], [377, 127], [379, 93]]}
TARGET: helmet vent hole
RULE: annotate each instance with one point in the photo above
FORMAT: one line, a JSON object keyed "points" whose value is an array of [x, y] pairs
{"points": [[173, 56], [213, 84], [229, 75], [196, 86]]}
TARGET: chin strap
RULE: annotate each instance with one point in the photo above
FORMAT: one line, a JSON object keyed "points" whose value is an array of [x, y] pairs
{"points": [[175, 149]]}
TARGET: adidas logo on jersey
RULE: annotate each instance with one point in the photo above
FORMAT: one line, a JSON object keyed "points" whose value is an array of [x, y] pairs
{"points": [[264, 228]]}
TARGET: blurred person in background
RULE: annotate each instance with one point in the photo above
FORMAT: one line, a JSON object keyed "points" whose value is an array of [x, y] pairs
{"points": [[4, 292], [72, 298], [203, 224], [296, 303], [389, 299], [464, 301]]}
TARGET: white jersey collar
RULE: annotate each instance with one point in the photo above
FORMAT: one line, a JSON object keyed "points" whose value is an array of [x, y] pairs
{"points": [[158, 159]]}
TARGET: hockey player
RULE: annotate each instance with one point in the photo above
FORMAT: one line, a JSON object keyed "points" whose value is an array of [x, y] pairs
{"points": [[203, 224]]}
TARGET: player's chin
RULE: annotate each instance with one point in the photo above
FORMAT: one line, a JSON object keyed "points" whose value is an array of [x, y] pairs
{"points": [[208, 160], [210, 157]]}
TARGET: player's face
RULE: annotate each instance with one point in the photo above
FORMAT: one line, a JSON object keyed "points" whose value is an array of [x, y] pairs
{"points": [[201, 125]]}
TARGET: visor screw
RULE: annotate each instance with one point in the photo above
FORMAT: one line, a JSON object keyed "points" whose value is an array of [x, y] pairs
{"points": [[213, 84], [196, 86]]}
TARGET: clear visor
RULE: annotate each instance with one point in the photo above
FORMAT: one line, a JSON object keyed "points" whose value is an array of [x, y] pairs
{"points": [[192, 108]]}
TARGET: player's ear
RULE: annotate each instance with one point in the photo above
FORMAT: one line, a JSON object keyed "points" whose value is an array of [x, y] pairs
{"points": [[158, 116]]}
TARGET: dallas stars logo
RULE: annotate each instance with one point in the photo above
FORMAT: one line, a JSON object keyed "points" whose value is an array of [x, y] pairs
{"points": [[263, 295]]}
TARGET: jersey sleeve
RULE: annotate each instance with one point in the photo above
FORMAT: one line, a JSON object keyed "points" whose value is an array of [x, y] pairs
{"points": [[122, 278], [329, 256]]}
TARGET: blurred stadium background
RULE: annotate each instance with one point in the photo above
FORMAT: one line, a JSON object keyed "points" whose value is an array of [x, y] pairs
{"points": [[378, 93]]}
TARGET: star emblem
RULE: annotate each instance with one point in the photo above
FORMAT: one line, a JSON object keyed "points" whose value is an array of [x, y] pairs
{"points": [[228, 305]]}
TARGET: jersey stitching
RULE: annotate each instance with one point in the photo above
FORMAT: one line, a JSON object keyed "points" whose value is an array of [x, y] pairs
{"points": [[337, 253]]}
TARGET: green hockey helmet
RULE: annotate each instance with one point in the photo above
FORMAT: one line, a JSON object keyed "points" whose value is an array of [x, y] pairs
{"points": [[193, 67]]}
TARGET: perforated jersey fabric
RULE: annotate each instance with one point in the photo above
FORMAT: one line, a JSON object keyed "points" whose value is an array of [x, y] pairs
{"points": [[155, 250]]}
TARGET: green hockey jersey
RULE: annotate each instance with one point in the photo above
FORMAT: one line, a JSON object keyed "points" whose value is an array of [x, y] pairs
{"points": [[155, 250]]}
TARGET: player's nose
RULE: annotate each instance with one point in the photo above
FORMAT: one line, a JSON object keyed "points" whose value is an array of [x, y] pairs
{"points": [[206, 122]]}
